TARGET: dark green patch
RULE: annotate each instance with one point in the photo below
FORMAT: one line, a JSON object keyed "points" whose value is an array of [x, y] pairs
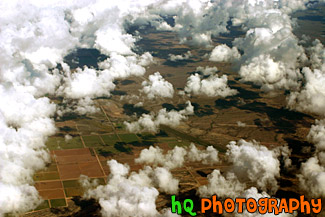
{"points": [[73, 192], [110, 140], [55, 143], [58, 203], [92, 141], [128, 138], [71, 183]]}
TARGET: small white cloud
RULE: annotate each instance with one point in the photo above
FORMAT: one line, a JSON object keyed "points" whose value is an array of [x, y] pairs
{"points": [[151, 122], [222, 53], [212, 86], [157, 86], [185, 56]]}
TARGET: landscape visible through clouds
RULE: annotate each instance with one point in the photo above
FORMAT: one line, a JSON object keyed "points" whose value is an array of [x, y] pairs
{"points": [[116, 108]]}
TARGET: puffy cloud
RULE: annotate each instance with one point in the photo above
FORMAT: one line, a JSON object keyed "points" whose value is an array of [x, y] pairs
{"points": [[317, 55], [185, 56], [255, 163], [241, 124], [120, 66], [250, 162], [165, 180], [223, 53], [271, 75], [312, 177], [311, 98], [25, 125], [207, 70], [131, 194], [208, 156], [157, 86], [87, 83], [196, 21], [212, 86], [151, 122], [221, 186], [176, 157], [316, 134]]}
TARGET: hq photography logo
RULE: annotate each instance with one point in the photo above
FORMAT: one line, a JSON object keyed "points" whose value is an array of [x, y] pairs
{"points": [[251, 205]]}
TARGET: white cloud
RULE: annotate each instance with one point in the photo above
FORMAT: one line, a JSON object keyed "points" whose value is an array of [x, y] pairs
{"points": [[25, 125], [316, 135], [157, 86], [207, 70], [176, 157], [311, 98], [241, 124], [312, 177], [223, 187], [185, 56], [131, 194], [254, 162], [151, 122], [223, 53], [212, 86]]}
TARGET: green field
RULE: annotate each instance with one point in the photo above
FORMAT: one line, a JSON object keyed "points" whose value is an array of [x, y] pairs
{"points": [[92, 141], [55, 143], [110, 140], [58, 203], [128, 138]]}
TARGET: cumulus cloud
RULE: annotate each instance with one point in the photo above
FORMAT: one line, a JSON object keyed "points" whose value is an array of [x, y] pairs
{"points": [[311, 98], [212, 86], [221, 186], [254, 162], [87, 83], [195, 21], [157, 86], [223, 53], [135, 193], [176, 157], [130, 194], [185, 56], [241, 124], [316, 135], [312, 177], [250, 162], [271, 75], [25, 124], [151, 122], [207, 70]]}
